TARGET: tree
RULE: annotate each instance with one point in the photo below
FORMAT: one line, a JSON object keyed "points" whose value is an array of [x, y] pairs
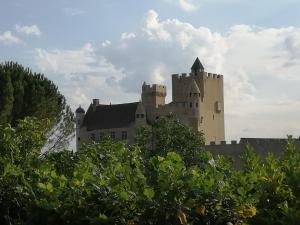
{"points": [[6, 97], [23, 94], [168, 134]]}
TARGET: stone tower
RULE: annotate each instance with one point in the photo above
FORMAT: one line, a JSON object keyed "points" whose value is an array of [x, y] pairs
{"points": [[153, 97], [203, 94]]}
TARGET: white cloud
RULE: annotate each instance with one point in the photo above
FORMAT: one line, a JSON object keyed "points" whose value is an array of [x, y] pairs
{"points": [[186, 5], [106, 43], [28, 30], [8, 38], [261, 70], [73, 11], [127, 36], [82, 75]]}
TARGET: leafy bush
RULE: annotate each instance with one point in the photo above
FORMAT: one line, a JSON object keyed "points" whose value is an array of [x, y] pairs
{"points": [[108, 183]]}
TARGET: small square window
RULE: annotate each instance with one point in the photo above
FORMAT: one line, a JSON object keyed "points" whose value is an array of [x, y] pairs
{"points": [[101, 135], [137, 115], [142, 115], [112, 135], [191, 104], [124, 135]]}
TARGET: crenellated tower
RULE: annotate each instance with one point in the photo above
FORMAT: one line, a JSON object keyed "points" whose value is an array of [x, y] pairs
{"points": [[153, 96], [202, 92]]}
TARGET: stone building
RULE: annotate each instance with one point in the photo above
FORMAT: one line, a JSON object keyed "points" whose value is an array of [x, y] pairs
{"points": [[261, 146], [197, 101]]}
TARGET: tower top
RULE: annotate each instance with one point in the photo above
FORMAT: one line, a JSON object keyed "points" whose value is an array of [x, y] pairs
{"points": [[80, 110], [197, 66]]}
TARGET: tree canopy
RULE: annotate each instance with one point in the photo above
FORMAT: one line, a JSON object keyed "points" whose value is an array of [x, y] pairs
{"points": [[24, 93], [168, 134], [106, 184]]}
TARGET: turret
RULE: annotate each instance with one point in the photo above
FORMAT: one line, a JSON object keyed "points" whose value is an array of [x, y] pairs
{"points": [[80, 113], [194, 99], [197, 67]]}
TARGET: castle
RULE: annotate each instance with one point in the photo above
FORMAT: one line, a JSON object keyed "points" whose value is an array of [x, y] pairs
{"points": [[197, 101]]}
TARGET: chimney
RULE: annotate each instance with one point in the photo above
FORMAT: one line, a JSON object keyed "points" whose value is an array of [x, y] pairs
{"points": [[95, 102]]}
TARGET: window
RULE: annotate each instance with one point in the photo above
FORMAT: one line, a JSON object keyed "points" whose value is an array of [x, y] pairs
{"points": [[112, 135], [78, 139], [137, 115], [218, 107], [124, 135], [213, 116], [196, 104], [191, 104], [101, 135], [93, 136], [190, 94], [142, 115]]}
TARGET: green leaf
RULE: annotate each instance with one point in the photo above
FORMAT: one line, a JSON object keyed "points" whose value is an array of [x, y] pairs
{"points": [[124, 195], [102, 216], [241, 191], [49, 187], [42, 186], [53, 174], [149, 193]]}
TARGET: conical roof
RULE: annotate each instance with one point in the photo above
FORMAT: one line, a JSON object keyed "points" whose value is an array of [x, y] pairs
{"points": [[197, 65], [194, 87], [80, 110]]}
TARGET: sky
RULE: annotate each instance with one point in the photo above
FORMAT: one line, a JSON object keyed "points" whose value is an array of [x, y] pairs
{"points": [[106, 49]]}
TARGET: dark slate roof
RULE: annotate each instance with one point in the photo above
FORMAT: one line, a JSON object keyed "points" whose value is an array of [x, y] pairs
{"points": [[79, 110], [110, 116], [197, 65]]}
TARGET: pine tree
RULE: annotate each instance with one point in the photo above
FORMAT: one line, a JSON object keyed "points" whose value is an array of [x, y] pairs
{"points": [[6, 96], [24, 93]]}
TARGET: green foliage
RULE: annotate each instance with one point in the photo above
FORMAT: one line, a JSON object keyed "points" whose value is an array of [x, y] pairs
{"points": [[107, 183], [168, 135], [23, 94]]}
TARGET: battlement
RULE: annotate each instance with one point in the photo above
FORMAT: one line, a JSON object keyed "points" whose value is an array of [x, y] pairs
{"points": [[213, 143], [154, 88], [255, 141], [213, 76], [206, 75]]}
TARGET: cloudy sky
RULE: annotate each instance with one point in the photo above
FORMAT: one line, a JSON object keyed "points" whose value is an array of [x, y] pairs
{"points": [[106, 48]]}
